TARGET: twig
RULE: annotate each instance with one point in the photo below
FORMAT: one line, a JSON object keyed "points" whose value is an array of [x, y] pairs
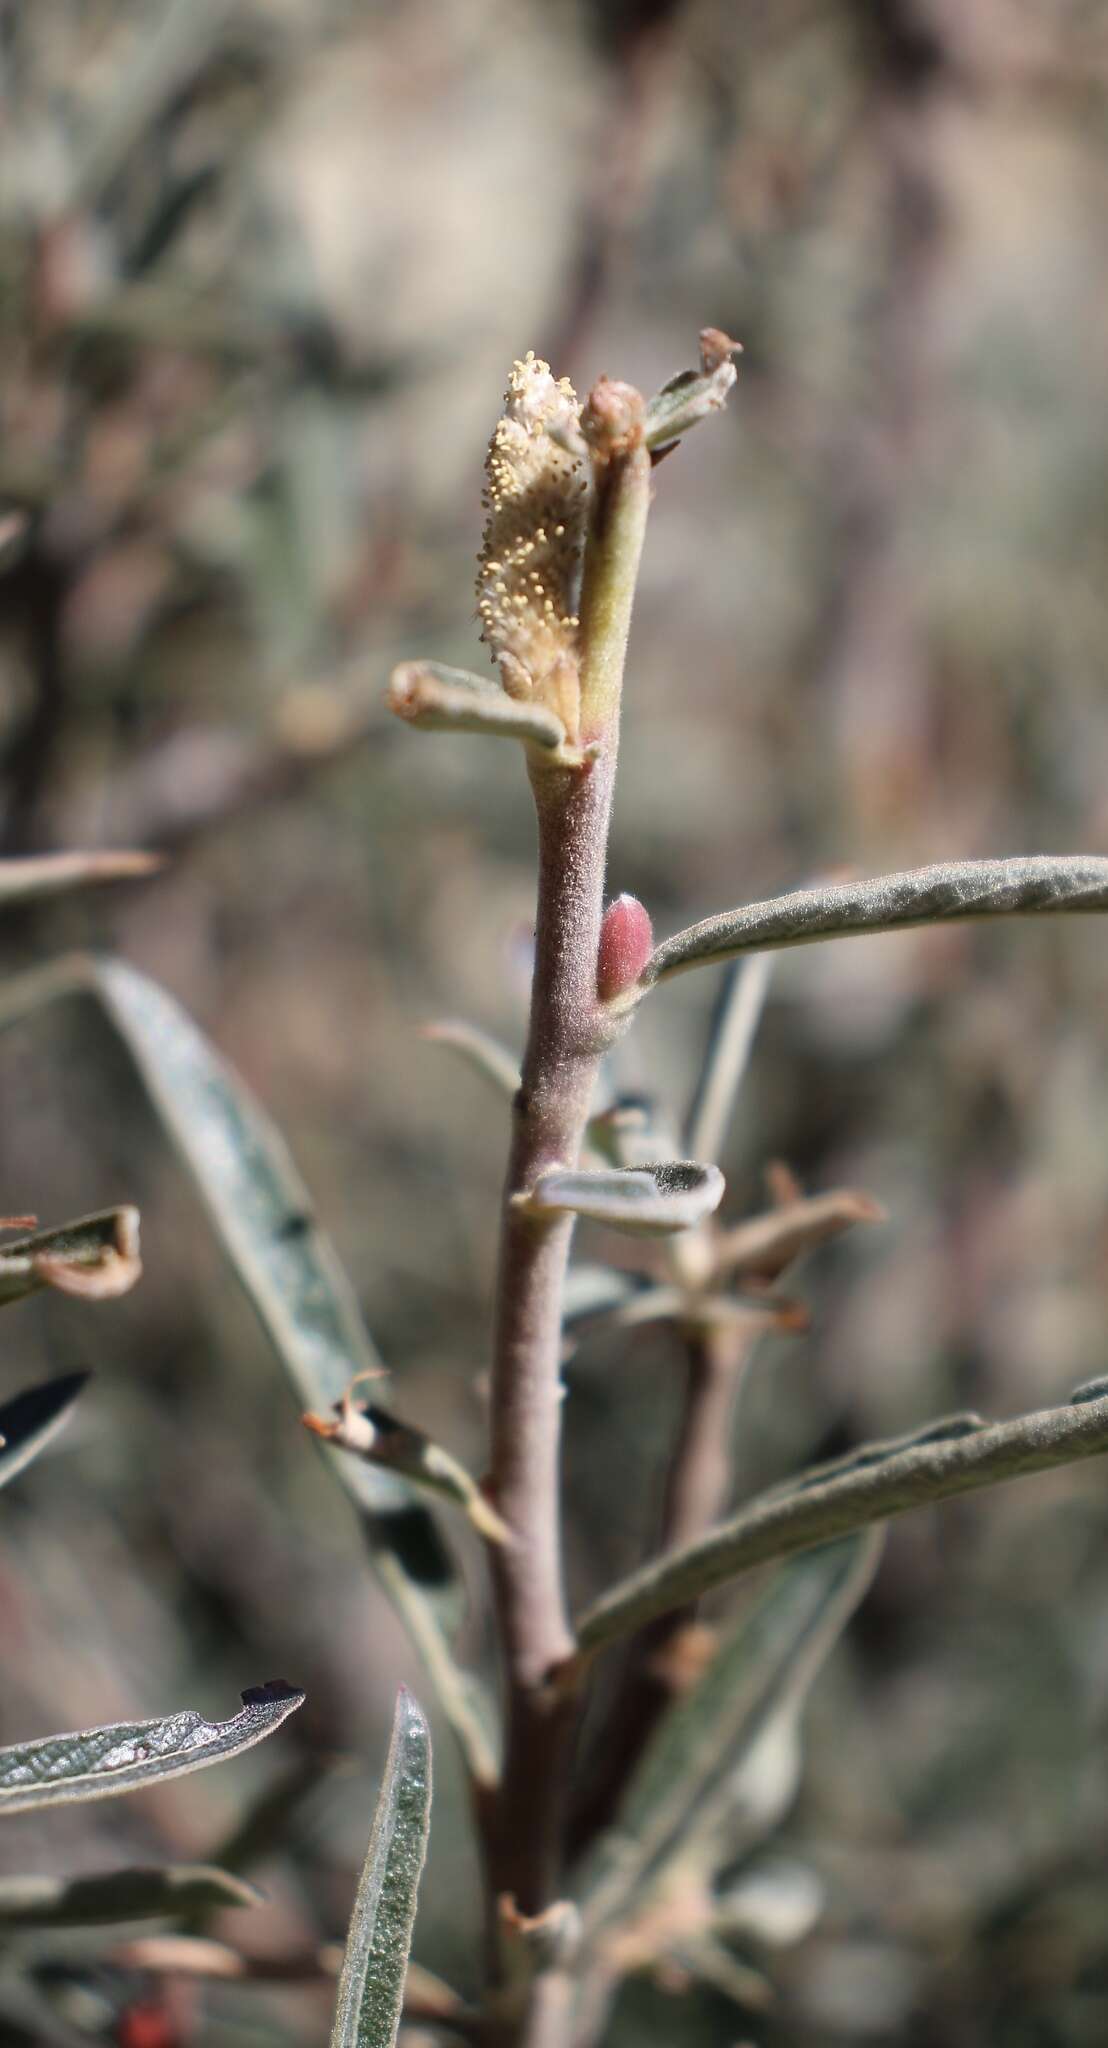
{"points": [[765, 1245], [50, 874], [799, 1516], [565, 1041]]}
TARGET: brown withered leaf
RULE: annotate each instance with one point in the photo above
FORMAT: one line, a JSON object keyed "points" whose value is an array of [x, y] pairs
{"points": [[95, 1258], [370, 1432]]}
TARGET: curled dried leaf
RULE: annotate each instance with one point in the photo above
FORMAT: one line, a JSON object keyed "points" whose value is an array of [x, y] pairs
{"points": [[649, 1200], [96, 1258], [371, 1433], [435, 698], [692, 395]]}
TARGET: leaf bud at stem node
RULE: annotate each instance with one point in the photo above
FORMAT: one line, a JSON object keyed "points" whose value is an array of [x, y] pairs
{"points": [[626, 943]]}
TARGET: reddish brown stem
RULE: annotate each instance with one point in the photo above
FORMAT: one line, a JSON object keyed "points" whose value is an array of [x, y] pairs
{"points": [[569, 1029], [559, 1071]]}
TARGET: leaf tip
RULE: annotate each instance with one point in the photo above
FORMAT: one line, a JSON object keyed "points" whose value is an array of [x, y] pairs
{"points": [[409, 1715], [320, 1425]]}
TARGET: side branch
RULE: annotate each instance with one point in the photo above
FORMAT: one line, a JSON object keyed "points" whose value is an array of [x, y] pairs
{"points": [[805, 1513], [947, 892]]}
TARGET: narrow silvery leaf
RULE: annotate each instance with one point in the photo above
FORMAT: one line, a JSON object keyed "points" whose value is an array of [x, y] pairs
{"points": [[757, 1682], [48, 874], [949, 892], [440, 699], [375, 1965], [956, 1455], [693, 395], [121, 1895], [735, 1022], [97, 1763], [96, 1257], [372, 1433], [28, 1421], [479, 1050], [291, 1273], [652, 1201]]}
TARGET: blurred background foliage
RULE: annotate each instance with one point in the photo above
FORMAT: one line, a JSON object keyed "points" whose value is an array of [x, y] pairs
{"points": [[264, 264]]}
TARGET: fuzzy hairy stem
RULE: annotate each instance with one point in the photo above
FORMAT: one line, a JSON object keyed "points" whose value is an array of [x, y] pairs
{"points": [[567, 1034], [806, 1513]]}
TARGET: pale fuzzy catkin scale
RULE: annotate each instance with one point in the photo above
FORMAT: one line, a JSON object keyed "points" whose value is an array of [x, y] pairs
{"points": [[535, 502]]}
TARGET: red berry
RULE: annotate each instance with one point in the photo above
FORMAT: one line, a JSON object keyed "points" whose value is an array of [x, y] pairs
{"points": [[146, 2026]]}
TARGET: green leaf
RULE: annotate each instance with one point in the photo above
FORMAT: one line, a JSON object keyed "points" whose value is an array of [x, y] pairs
{"points": [[97, 1763], [28, 1421], [375, 1965], [97, 1258], [441, 699], [291, 1273], [691, 1779], [650, 1201], [951, 891], [121, 1895], [49, 874]]}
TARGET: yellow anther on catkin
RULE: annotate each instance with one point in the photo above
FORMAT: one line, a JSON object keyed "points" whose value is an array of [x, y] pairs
{"points": [[534, 532]]}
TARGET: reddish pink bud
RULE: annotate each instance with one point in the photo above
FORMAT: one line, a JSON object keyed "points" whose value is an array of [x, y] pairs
{"points": [[626, 943]]}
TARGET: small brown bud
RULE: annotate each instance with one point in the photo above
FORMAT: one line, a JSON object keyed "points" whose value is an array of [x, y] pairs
{"points": [[613, 418], [716, 348]]}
